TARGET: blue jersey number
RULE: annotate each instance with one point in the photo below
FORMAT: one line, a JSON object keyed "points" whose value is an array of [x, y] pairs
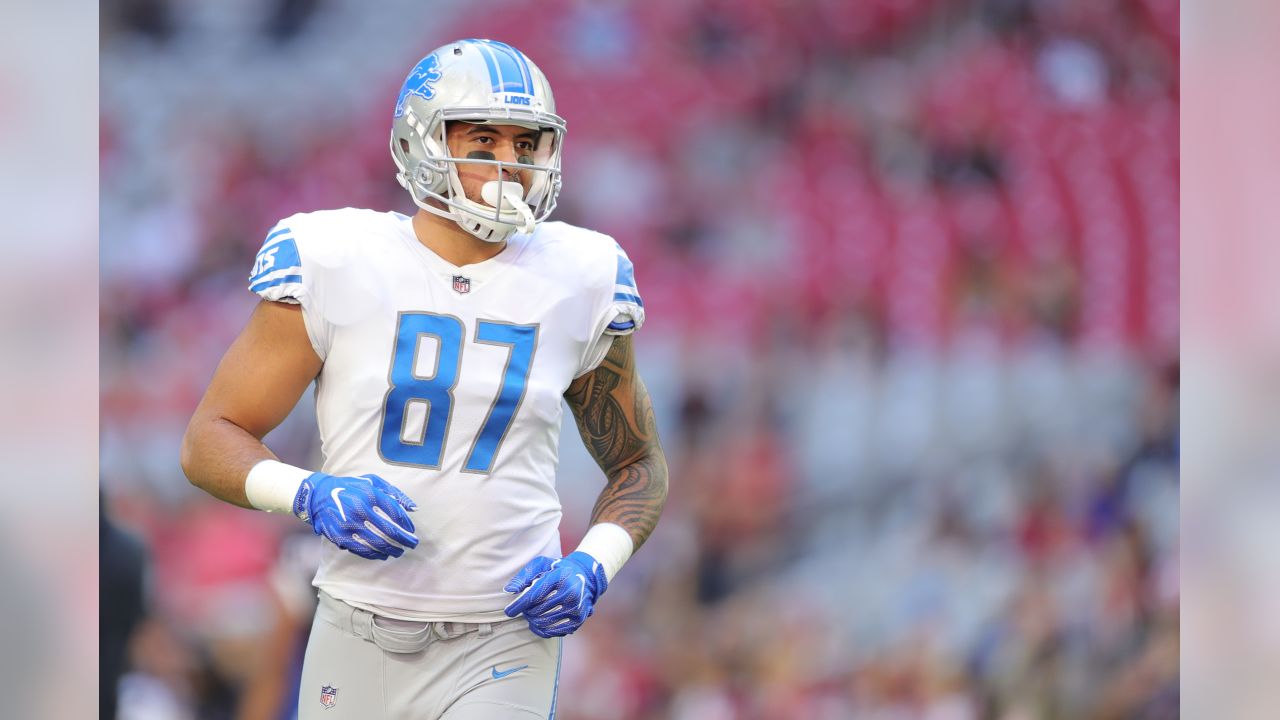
{"points": [[436, 389], [522, 339]]}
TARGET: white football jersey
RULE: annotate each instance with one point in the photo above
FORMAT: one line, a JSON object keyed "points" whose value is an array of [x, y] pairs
{"points": [[447, 382]]}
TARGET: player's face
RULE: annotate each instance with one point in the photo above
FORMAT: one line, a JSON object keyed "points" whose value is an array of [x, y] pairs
{"points": [[507, 143]]}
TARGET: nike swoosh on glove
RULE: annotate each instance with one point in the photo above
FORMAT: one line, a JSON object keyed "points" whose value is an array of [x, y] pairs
{"points": [[364, 515], [557, 596]]}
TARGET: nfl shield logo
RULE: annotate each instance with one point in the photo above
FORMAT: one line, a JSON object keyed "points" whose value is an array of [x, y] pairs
{"points": [[328, 696], [461, 285]]}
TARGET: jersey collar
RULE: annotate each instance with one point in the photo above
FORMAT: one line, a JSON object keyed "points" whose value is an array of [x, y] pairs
{"points": [[477, 273]]}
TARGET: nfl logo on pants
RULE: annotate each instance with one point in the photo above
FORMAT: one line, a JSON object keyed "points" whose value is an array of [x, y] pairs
{"points": [[461, 285], [328, 696]]}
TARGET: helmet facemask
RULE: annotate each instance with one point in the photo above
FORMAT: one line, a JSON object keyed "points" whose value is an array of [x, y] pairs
{"points": [[430, 172]]}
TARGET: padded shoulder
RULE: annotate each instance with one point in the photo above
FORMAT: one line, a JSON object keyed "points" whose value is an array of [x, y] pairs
{"points": [[602, 266], [327, 237]]}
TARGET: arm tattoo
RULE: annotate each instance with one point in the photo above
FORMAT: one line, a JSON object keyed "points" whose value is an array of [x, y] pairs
{"points": [[616, 420]]}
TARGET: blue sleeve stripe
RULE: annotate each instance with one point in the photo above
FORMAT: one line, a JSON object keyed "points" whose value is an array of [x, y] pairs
{"points": [[626, 297], [274, 240], [622, 325], [295, 270], [626, 271], [278, 281], [276, 257]]}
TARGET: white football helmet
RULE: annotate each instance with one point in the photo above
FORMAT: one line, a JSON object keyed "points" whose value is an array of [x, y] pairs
{"points": [[485, 82]]}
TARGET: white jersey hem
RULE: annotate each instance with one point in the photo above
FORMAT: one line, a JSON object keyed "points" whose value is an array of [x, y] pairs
{"points": [[346, 593]]}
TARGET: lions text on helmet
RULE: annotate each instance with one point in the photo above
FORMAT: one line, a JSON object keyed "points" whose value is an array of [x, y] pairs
{"points": [[476, 139]]}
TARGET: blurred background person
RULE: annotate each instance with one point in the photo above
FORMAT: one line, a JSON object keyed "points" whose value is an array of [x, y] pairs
{"points": [[122, 604], [912, 277]]}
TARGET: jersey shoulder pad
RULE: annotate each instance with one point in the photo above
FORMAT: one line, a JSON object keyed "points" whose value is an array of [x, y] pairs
{"points": [[605, 270], [279, 272]]}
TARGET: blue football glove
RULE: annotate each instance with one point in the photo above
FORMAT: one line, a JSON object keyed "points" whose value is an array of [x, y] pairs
{"points": [[557, 596], [352, 511]]}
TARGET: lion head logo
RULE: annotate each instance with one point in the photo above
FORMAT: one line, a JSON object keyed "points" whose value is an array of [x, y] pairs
{"points": [[420, 81]]}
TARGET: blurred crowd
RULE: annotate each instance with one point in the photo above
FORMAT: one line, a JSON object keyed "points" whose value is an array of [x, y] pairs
{"points": [[910, 269]]}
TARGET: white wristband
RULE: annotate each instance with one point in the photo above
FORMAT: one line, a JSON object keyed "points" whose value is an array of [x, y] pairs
{"points": [[610, 545], [272, 485]]}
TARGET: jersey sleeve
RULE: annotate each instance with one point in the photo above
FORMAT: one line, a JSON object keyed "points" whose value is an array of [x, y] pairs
{"points": [[626, 313], [620, 309], [281, 274], [277, 270]]}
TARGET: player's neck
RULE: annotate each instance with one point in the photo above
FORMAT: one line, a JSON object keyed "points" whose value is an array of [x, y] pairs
{"points": [[443, 237]]}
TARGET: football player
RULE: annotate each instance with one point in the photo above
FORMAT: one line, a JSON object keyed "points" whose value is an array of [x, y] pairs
{"points": [[441, 346]]}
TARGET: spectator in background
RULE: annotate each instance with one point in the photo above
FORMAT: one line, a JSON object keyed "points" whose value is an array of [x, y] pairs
{"points": [[152, 19], [122, 598]]}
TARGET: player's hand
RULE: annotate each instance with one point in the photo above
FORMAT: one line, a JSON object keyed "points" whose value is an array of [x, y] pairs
{"points": [[557, 596], [364, 515]]}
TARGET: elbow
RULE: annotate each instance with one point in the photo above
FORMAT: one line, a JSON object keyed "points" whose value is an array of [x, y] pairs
{"points": [[659, 464], [187, 454]]}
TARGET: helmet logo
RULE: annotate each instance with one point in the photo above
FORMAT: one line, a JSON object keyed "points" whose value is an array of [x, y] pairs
{"points": [[420, 81]]}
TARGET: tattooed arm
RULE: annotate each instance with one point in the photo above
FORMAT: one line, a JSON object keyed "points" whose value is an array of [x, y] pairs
{"points": [[615, 417]]}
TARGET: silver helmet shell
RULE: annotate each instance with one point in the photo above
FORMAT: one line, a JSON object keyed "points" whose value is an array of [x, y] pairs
{"points": [[477, 81]]}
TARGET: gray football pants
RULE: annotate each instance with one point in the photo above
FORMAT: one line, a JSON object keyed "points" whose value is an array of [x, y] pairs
{"points": [[360, 666]]}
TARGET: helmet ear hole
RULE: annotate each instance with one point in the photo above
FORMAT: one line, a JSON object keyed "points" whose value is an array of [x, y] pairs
{"points": [[404, 146], [435, 172]]}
